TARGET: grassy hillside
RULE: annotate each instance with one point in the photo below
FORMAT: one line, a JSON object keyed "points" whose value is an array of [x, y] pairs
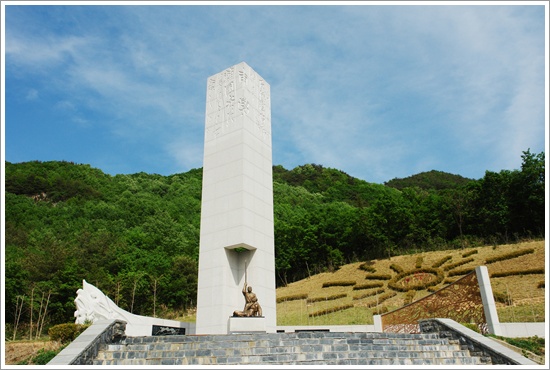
{"points": [[520, 297]]}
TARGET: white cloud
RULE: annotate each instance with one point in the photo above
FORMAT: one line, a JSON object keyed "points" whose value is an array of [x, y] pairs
{"points": [[32, 94]]}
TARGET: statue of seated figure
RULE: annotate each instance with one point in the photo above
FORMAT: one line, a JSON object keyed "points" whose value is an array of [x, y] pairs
{"points": [[251, 307]]}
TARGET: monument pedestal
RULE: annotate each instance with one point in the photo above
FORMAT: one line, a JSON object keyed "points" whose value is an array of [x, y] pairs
{"points": [[254, 324]]}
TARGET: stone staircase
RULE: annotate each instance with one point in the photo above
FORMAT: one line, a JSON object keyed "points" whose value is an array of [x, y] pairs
{"points": [[299, 348]]}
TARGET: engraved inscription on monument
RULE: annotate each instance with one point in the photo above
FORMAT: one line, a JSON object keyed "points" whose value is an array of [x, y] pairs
{"points": [[232, 94]]}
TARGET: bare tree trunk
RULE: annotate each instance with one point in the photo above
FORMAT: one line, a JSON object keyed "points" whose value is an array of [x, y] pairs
{"points": [[39, 316], [134, 293], [155, 297], [31, 309], [118, 285], [41, 324], [18, 311]]}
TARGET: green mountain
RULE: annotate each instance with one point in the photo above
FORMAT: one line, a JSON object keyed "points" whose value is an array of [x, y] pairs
{"points": [[431, 180], [136, 236]]}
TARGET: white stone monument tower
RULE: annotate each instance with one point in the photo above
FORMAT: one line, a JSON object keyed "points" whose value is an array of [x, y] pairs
{"points": [[237, 234]]}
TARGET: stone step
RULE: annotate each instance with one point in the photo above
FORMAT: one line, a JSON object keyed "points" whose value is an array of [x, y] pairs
{"points": [[289, 360], [278, 336], [243, 344], [188, 347], [311, 348]]}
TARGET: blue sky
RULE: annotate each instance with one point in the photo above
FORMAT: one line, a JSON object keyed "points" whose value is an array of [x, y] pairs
{"points": [[377, 91]]}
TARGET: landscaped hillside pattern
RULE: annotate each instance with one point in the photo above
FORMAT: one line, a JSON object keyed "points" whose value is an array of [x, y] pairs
{"points": [[352, 294]]}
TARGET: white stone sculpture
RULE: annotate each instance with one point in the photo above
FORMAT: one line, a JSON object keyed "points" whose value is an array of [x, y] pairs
{"points": [[92, 305]]}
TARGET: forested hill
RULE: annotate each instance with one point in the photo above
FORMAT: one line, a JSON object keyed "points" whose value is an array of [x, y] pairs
{"points": [[436, 180], [136, 237]]}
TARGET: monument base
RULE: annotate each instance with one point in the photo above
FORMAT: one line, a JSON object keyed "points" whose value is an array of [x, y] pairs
{"points": [[254, 324]]}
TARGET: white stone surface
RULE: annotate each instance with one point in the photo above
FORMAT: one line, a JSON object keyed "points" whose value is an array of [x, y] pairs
{"points": [[237, 200], [247, 325], [488, 300], [523, 329]]}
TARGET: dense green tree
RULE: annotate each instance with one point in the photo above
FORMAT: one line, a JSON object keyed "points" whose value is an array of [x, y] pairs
{"points": [[136, 237]]}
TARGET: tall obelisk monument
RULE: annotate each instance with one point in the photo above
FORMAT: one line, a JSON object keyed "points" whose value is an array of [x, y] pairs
{"points": [[237, 233]]}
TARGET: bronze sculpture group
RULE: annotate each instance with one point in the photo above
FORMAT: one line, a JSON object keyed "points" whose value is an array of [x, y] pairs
{"points": [[252, 307]]}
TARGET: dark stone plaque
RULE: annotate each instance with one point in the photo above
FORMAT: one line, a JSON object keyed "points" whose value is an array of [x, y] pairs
{"points": [[167, 330]]}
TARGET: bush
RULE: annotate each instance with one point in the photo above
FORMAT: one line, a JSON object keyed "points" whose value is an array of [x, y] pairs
{"points": [[508, 256], [517, 272], [44, 356], [393, 283], [66, 333], [409, 296], [398, 269], [291, 297], [463, 271], [378, 277], [468, 254], [368, 286], [338, 283], [502, 298], [441, 261], [329, 298], [456, 264], [382, 309], [369, 294], [533, 344], [433, 289], [366, 266], [381, 299], [331, 310], [472, 326], [449, 281]]}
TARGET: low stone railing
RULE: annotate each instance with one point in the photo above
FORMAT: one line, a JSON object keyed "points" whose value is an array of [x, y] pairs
{"points": [[479, 345], [85, 347]]}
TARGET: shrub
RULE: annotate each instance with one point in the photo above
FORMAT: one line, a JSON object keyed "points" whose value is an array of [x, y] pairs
{"points": [[369, 294], [398, 269], [463, 271], [291, 297], [433, 289], [468, 254], [368, 286], [382, 309], [339, 283], [517, 272], [441, 261], [329, 298], [44, 356], [331, 310], [502, 297], [472, 326], [533, 344], [381, 299], [66, 333], [508, 256], [378, 277], [393, 283], [456, 264], [366, 266], [409, 296]]}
